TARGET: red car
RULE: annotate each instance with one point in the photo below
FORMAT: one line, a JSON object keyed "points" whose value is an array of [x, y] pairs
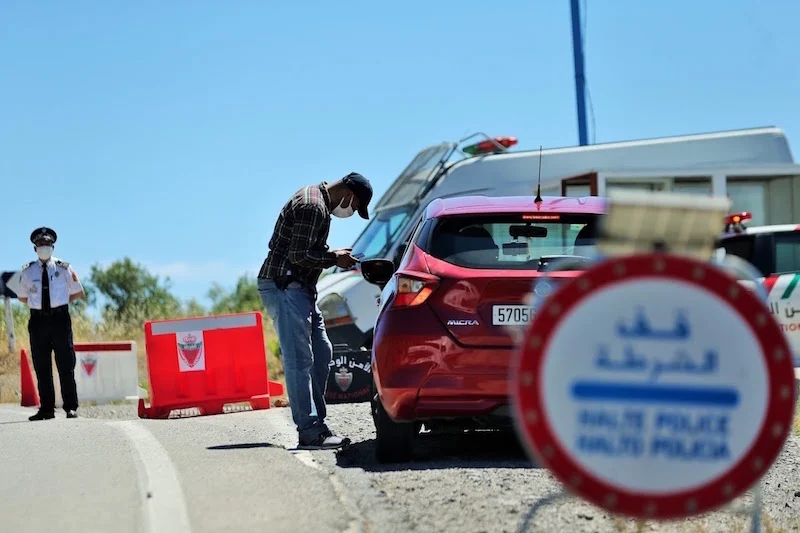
{"points": [[445, 330]]}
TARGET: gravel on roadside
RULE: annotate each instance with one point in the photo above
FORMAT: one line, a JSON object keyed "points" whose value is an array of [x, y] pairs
{"points": [[476, 483], [119, 411], [486, 483]]}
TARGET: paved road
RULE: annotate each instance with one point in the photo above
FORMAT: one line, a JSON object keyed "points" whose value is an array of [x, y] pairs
{"points": [[110, 471]]}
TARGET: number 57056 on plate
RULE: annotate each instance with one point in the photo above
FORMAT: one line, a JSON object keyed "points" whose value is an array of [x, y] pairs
{"points": [[511, 315]]}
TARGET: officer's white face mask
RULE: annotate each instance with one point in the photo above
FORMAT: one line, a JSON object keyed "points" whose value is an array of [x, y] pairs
{"points": [[343, 212], [44, 252]]}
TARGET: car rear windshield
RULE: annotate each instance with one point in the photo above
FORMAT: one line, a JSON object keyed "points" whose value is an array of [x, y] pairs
{"points": [[741, 246], [516, 241]]}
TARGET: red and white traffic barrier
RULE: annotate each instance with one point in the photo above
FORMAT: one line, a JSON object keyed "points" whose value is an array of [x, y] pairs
{"points": [[106, 372]]}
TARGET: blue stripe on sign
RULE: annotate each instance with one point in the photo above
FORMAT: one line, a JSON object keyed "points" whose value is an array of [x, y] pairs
{"points": [[626, 392]]}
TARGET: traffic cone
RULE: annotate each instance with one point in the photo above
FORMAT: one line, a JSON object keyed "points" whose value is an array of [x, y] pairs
{"points": [[28, 393]]}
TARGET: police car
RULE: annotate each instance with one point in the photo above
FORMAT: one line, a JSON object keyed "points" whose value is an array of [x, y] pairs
{"points": [[775, 252]]}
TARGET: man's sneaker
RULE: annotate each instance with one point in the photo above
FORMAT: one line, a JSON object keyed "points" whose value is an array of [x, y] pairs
{"points": [[42, 416], [325, 441]]}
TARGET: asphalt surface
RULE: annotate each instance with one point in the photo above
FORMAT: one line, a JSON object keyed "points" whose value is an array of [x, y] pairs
{"points": [[237, 472]]}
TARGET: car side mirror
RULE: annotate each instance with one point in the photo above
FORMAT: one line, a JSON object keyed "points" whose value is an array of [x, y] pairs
{"points": [[377, 271]]}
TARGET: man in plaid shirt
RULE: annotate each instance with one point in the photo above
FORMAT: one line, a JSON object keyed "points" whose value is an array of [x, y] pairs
{"points": [[287, 285]]}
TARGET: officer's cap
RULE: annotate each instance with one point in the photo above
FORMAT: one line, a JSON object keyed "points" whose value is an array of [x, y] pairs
{"points": [[43, 234]]}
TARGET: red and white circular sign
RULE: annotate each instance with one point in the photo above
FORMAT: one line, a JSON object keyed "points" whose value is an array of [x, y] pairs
{"points": [[655, 386]]}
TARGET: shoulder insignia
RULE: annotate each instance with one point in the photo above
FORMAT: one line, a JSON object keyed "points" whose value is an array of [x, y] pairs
{"points": [[61, 263], [26, 265]]}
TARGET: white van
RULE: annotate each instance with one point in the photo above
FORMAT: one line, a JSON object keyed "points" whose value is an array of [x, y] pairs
{"points": [[348, 302]]}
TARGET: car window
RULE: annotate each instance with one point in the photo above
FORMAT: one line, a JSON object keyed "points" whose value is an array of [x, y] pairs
{"points": [[514, 241], [417, 230], [381, 232], [739, 246], [401, 250], [787, 252]]}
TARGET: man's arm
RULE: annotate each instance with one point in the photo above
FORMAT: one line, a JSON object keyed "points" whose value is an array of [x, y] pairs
{"points": [[22, 293], [307, 223], [74, 285]]}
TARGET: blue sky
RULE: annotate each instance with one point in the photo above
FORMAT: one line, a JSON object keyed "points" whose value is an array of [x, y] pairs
{"points": [[116, 115]]}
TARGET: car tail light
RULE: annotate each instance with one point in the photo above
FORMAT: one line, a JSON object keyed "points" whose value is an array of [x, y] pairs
{"points": [[413, 291]]}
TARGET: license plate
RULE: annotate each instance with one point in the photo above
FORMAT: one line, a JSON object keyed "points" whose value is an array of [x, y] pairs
{"points": [[511, 315]]}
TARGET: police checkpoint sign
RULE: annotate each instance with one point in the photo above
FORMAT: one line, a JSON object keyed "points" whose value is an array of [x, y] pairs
{"points": [[10, 284], [654, 386]]}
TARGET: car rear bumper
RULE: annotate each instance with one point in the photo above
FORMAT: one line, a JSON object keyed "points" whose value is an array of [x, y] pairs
{"points": [[461, 395], [443, 396]]}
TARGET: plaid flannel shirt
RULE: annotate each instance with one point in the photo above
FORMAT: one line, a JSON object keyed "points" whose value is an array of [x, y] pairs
{"points": [[299, 242]]}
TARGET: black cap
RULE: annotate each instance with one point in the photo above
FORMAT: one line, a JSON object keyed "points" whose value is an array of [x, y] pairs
{"points": [[43, 234], [362, 189]]}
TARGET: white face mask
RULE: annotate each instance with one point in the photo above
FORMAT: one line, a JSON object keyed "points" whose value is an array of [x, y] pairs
{"points": [[44, 252], [343, 212]]}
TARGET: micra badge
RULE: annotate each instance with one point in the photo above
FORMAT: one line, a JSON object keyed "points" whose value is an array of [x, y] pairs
{"points": [[462, 322]]}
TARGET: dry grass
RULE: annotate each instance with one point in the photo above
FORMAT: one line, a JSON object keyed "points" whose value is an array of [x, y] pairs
{"points": [[85, 330], [796, 425]]}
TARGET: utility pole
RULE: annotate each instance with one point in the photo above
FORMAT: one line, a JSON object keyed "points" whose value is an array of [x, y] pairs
{"points": [[577, 52]]}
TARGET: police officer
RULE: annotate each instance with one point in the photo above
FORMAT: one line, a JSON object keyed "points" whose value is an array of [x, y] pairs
{"points": [[48, 286]]}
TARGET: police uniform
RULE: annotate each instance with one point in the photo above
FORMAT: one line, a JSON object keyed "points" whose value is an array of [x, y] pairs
{"points": [[48, 284]]}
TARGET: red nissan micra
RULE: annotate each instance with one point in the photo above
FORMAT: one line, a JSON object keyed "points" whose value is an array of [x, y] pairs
{"points": [[445, 330]]}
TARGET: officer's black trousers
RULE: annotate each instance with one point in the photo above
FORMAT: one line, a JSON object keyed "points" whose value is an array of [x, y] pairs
{"points": [[53, 333]]}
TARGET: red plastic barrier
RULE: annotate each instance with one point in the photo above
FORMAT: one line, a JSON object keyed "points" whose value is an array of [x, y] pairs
{"points": [[206, 363]]}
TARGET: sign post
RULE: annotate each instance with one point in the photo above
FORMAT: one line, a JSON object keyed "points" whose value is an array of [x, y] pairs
{"points": [[12, 341], [9, 282], [655, 386]]}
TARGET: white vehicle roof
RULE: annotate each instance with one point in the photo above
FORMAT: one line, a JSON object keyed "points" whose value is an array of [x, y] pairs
{"points": [[514, 173], [775, 228]]}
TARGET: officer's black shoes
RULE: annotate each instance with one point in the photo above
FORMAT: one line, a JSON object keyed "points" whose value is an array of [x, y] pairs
{"points": [[41, 416], [72, 414]]}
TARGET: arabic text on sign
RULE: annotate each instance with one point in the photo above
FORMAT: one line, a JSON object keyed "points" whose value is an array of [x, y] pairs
{"points": [[641, 328], [681, 363], [343, 361]]}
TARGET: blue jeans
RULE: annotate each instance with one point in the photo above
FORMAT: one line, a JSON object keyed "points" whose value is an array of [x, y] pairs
{"points": [[306, 352]]}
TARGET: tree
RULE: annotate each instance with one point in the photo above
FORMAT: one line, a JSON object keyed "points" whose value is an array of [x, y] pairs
{"points": [[89, 299], [133, 292], [244, 297], [194, 308]]}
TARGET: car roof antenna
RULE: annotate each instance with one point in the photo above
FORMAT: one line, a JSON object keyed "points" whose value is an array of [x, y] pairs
{"points": [[538, 198]]}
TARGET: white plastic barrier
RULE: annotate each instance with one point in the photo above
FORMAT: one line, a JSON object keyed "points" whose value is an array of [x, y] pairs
{"points": [[104, 372]]}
